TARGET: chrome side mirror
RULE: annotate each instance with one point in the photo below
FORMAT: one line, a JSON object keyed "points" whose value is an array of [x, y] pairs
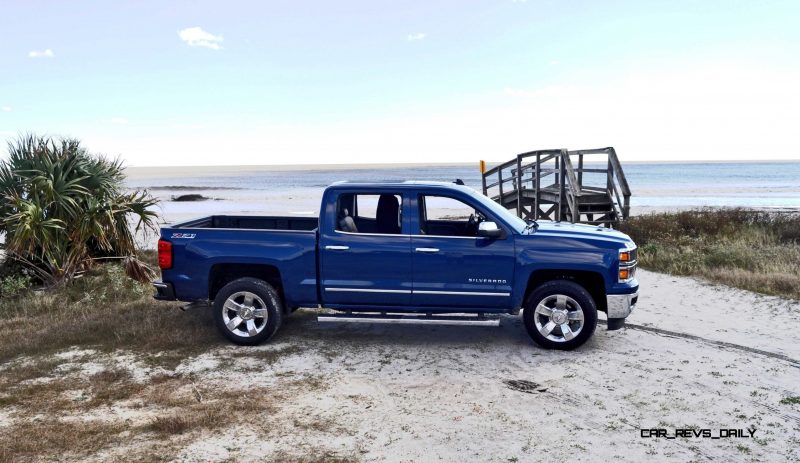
{"points": [[489, 230]]}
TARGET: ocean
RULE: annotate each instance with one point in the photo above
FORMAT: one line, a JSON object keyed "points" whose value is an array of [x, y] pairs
{"points": [[655, 186]]}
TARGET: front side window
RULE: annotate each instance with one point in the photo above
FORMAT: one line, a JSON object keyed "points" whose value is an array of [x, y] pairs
{"points": [[445, 216], [369, 213]]}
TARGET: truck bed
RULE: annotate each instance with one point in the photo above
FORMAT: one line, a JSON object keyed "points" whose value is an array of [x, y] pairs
{"points": [[209, 248], [251, 222]]}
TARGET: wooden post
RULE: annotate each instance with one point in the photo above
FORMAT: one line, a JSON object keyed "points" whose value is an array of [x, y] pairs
{"points": [[626, 210], [560, 181], [536, 186], [574, 186], [483, 180], [500, 186], [519, 186]]}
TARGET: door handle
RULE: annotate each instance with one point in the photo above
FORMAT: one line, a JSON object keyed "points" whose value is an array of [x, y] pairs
{"points": [[429, 250], [337, 248]]}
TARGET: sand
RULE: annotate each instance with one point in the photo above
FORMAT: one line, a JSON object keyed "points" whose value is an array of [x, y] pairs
{"points": [[436, 393]]}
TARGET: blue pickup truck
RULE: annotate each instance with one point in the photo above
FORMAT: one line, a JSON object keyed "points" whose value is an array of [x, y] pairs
{"points": [[404, 252]]}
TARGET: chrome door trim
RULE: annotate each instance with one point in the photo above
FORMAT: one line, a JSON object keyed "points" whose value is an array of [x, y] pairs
{"points": [[449, 237], [415, 291], [371, 234], [367, 290], [461, 293], [411, 236], [336, 248]]}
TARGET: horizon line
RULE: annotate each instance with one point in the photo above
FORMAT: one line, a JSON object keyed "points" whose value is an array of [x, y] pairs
{"points": [[367, 165]]}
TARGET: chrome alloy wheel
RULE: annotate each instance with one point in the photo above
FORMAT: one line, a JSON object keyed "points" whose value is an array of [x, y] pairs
{"points": [[245, 314], [558, 318]]}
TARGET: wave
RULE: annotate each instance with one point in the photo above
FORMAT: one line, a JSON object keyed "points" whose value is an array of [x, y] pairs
{"points": [[192, 187]]}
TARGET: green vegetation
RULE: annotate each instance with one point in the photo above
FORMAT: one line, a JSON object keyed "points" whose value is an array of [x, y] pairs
{"points": [[103, 310], [105, 314], [62, 213], [63, 209], [753, 250]]}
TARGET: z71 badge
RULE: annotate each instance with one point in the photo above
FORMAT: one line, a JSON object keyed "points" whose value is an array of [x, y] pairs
{"points": [[187, 236]]}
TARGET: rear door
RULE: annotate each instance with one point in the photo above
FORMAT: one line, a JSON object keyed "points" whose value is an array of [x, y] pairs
{"points": [[454, 267], [365, 259]]}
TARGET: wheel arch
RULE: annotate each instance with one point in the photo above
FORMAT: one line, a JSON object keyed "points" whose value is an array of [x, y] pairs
{"points": [[592, 281], [223, 273]]}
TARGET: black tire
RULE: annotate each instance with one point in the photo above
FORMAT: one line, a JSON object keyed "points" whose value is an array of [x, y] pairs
{"points": [[264, 293], [579, 296]]}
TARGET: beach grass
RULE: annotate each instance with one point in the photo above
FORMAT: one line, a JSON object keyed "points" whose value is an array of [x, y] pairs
{"points": [[105, 310], [58, 411], [748, 249]]}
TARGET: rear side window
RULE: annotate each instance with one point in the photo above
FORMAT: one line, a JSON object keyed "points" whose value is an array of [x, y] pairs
{"points": [[369, 213]]}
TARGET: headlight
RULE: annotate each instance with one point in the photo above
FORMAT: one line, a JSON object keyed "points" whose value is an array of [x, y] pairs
{"points": [[627, 264]]}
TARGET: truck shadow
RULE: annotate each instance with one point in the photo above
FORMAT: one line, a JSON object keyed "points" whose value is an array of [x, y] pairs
{"points": [[304, 324]]}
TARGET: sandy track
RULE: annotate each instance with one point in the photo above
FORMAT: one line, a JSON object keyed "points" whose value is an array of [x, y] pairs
{"points": [[719, 312]]}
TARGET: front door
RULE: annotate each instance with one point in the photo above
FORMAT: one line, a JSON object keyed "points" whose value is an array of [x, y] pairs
{"points": [[364, 258], [453, 267]]}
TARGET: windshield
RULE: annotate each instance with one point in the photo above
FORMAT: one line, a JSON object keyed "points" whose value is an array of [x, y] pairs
{"points": [[498, 210]]}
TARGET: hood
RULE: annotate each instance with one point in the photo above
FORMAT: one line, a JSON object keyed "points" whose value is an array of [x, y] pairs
{"points": [[579, 231]]}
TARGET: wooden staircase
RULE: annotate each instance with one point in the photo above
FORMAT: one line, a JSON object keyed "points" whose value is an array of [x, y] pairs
{"points": [[584, 186]]}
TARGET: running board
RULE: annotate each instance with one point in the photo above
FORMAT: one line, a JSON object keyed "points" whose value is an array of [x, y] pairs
{"points": [[410, 319], [195, 305]]}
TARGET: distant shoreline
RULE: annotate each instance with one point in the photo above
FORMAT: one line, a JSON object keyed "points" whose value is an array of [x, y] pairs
{"points": [[225, 169], [222, 170]]}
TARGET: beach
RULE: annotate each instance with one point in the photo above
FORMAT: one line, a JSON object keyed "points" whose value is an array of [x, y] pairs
{"points": [[148, 381], [297, 189], [693, 356]]}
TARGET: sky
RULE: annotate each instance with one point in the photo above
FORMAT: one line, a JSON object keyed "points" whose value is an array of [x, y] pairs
{"points": [[305, 82]]}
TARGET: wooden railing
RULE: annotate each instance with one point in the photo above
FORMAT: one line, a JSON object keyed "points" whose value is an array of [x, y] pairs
{"points": [[616, 184], [523, 184]]}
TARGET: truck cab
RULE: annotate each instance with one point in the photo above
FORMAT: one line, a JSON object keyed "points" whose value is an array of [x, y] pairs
{"points": [[402, 251]]}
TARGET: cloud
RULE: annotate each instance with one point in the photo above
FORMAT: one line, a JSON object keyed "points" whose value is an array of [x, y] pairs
{"points": [[5, 109], [119, 120], [48, 53], [197, 37], [417, 36]]}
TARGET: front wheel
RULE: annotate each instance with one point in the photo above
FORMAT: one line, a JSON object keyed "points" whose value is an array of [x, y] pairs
{"points": [[247, 311], [560, 314]]}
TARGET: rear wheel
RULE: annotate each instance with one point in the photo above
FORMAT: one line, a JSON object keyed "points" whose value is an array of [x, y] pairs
{"points": [[247, 311], [560, 314]]}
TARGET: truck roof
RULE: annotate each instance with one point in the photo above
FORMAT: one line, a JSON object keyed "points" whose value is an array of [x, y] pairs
{"points": [[395, 183]]}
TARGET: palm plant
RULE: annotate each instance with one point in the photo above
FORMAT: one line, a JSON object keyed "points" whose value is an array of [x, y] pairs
{"points": [[62, 209]]}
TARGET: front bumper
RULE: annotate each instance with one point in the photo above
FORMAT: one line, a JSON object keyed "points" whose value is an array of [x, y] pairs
{"points": [[621, 305], [164, 291]]}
